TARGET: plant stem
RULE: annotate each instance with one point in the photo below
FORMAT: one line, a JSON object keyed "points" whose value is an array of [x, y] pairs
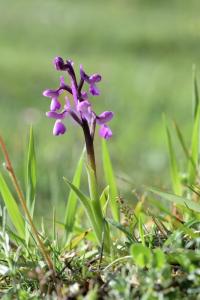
{"points": [[89, 141]]}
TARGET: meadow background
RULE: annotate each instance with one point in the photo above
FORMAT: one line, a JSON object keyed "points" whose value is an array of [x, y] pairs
{"points": [[143, 49]]}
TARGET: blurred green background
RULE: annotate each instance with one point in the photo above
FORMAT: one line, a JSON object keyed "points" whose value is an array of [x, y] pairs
{"points": [[143, 49]]}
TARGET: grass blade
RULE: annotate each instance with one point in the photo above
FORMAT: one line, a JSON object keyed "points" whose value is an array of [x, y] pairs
{"points": [[196, 92], [30, 180], [121, 228], [176, 183], [192, 167], [183, 144], [104, 200], [141, 230], [72, 199], [110, 180], [12, 208], [31, 171], [177, 200]]}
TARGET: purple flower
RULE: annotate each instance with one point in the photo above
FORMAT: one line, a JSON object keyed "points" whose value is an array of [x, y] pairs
{"points": [[80, 109], [74, 91], [92, 80], [51, 93], [55, 104], [104, 117], [56, 115], [59, 128], [105, 132], [84, 107], [59, 63]]}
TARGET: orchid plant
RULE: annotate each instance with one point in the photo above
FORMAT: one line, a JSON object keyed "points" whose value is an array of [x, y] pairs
{"points": [[81, 111]]}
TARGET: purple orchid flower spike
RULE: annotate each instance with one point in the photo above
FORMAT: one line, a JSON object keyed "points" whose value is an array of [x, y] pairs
{"points": [[80, 109]]}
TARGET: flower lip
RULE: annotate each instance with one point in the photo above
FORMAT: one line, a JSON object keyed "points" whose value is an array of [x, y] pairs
{"points": [[94, 90], [55, 104], [105, 132], [59, 128]]}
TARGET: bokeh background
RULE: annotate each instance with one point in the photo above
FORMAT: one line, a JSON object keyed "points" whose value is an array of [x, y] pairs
{"points": [[144, 50]]}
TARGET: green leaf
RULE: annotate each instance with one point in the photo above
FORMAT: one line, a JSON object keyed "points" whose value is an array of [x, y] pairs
{"points": [[12, 208], [183, 145], [92, 181], [94, 196], [192, 167], [141, 229], [31, 172], [89, 210], [121, 228], [141, 255], [183, 257], [104, 200], [177, 200], [196, 92], [159, 258], [30, 181], [110, 180], [176, 183], [72, 198]]}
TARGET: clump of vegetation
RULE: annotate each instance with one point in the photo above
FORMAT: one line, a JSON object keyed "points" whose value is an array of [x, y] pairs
{"points": [[106, 247]]}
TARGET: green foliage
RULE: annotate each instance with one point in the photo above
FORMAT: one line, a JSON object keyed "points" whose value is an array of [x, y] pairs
{"points": [[70, 213], [12, 207], [31, 172], [87, 203], [121, 228], [159, 258], [192, 169], [30, 179], [186, 203], [110, 180], [175, 177], [141, 255]]}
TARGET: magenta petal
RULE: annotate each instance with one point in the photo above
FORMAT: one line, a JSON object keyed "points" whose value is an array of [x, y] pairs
{"points": [[83, 75], [74, 91], [55, 115], [105, 132], [55, 104], [95, 78], [84, 95], [59, 128], [59, 63], [51, 93], [104, 117], [84, 107], [62, 81], [94, 90], [67, 104]]}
